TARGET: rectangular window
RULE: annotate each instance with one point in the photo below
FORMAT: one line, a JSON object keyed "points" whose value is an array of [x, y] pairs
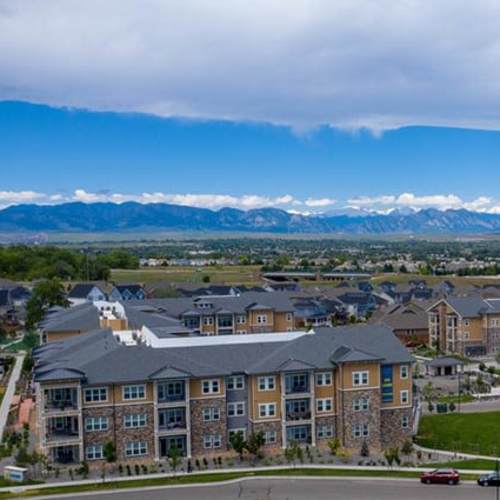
{"points": [[131, 392], [208, 320], [96, 394], [405, 397], [359, 378], [324, 431], [171, 391], [387, 383], [269, 437], [361, 404], [324, 405], [210, 386], [262, 319], [289, 316], [466, 336], [96, 424], [241, 320], [466, 322], [236, 383], [360, 430], [211, 414], [94, 452], [235, 409], [405, 422], [323, 379], [267, 410], [134, 420], [403, 371], [267, 383], [136, 448], [212, 441]]}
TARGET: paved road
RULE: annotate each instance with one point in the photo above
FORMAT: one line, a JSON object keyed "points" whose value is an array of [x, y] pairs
{"points": [[11, 389], [303, 489], [480, 406]]}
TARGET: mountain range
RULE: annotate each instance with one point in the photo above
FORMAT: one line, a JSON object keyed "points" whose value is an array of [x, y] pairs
{"points": [[128, 217]]}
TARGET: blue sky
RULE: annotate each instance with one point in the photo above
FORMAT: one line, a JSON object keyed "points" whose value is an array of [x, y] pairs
{"points": [[56, 151], [307, 106]]}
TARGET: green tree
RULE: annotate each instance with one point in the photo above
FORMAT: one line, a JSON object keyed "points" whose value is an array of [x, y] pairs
{"points": [[109, 453], [255, 442], [46, 294], [238, 443], [407, 449], [334, 445], [365, 450], [292, 452], [174, 457]]}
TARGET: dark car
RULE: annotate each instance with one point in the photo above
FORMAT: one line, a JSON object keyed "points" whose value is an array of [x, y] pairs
{"points": [[440, 476], [491, 479]]}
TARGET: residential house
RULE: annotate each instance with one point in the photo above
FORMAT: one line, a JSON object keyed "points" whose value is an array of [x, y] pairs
{"points": [[86, 292], [127, 292]]}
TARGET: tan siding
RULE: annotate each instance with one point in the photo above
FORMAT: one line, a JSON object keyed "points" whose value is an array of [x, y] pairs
{"points": [[195, 388]]}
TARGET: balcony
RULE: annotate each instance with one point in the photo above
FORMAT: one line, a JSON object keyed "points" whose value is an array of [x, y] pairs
{"points": [[65, 455], [298, 409], [62, 428], [172, 419], [172, 392], [61, 400], [297, 383]]}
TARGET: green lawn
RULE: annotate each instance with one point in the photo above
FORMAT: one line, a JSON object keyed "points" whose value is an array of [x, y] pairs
{"points": [[211, 478], [476, 433], [478, 464], [464, 398], [184, 274]]}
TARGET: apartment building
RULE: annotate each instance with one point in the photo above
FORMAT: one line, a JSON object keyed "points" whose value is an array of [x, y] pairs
{"points": [[354, 383], [468, 326], [251, 312]]}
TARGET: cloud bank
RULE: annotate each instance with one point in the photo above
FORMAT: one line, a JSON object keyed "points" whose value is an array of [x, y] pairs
{"points": [[350, 63], [375, 204]]}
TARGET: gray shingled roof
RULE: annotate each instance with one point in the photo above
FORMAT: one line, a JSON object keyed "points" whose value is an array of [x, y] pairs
{"points": [[82, 318], [104, 360]]}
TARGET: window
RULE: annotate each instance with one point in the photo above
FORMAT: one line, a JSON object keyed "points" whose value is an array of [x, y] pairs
{"points": [[136, 448], [171, 391], [96, 394], [208, 320], [359, 378], [212, 441], [241, 332], [289, 316], [403, 371], [210, 386], [235, 409], [405, 422], [94, 452], [466, 322], [466, 336], [360, 430], [241, 320], [269, 437], [361, 404], [323, 379], [323, 405], [96, 423], [267, 410], [262, 319], [241, 432], [236, 383], [134, 420], [211, 414], [405, 397], [267, 383], [131, 392], [324, 431]]}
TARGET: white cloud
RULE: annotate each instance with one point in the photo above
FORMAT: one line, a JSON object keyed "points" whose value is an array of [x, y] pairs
{"points": [[349, 63], [7, 197], [319, 202]]}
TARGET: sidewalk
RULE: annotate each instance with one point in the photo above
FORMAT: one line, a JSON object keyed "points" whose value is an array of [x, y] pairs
{"points": [[9, 393], [454, 455]]}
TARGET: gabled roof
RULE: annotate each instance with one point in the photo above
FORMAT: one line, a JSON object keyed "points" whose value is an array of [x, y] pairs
{"points": [[169, 372], [292, 365], [82, 290], [346, 354], [81, 318]]}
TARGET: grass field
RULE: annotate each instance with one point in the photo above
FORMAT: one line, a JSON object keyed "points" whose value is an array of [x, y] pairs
{"points": [[211, 478], [476, 433], [217, 274], [466, 464]]}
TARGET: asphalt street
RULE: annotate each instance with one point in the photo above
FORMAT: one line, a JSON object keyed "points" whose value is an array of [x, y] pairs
{"points": [[303, 489]]}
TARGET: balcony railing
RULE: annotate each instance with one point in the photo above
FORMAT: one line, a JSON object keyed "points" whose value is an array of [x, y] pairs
{"points": [[293, 416], [61, 435], [172, 426], [60, 406]]}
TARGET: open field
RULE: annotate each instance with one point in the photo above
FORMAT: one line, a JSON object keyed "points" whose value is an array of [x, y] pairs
{"points": [[475, 433], [248, 275]]}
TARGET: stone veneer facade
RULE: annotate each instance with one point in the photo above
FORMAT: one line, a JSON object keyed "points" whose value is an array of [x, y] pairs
{"points": [[392, 432], [200, 428]]}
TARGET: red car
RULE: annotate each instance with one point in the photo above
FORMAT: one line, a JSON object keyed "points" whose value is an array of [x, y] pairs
{"points": [[440, 476]]}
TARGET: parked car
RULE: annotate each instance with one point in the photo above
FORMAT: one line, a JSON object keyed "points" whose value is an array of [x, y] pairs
{"points": [[440, 476], [491, 479]]}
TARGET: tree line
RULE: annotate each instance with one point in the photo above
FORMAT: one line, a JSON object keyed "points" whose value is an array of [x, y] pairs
{"points": [[27, 263]]}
